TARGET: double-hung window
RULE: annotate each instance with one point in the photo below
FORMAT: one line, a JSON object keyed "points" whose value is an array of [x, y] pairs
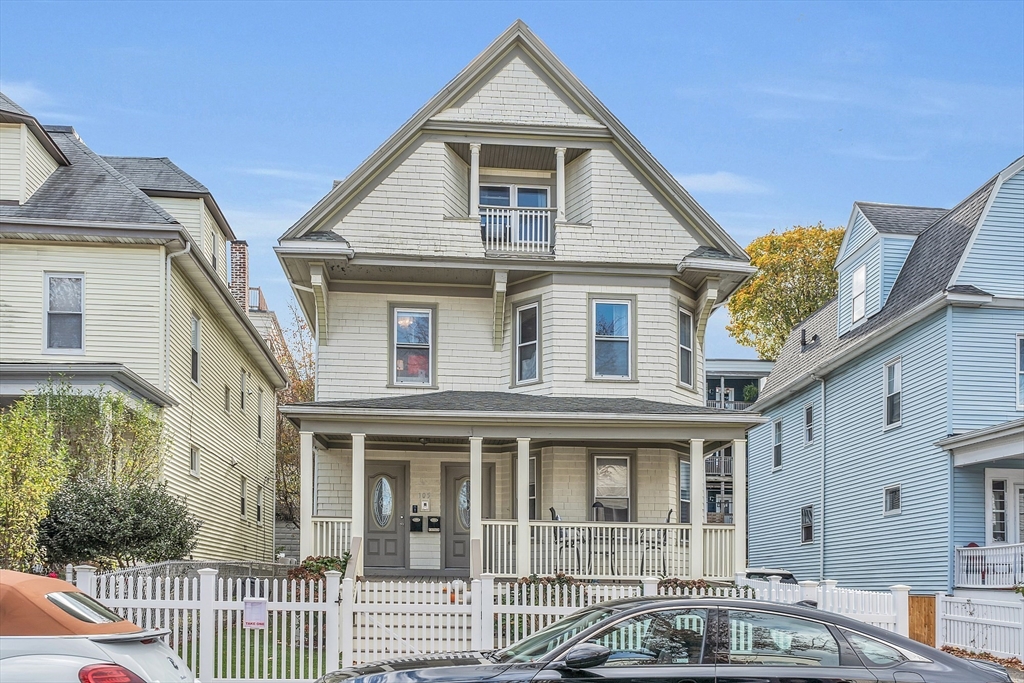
{"points": [[893, 392], [196, 334], [65, 308], [259, 504], [808, 423], [859, 292], [243, 494], [611, 488], [1020, 371], [999, 511], [193, 461], [807, 524], [777, 444], [259, 415], [684, 491], [611, 338], [527, 343], [242, 391], [685, 348], [413, 339], [892, 500]]}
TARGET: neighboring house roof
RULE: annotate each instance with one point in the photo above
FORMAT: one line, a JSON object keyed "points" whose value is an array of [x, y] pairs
{"points": [[11, 112], [925, 274], [738, 367], [899, 219]]}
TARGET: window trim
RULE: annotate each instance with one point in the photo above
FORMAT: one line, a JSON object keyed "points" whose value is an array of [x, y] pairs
{"points": [[195, 464], [631, 460], [259, 415], [513, 195], [47, 275], [808, 424], [592, 301], [776, 445], [863, 294], [692, 384], [803, 526], [516, 308], [898, 362], [227, 400], [259, 505], [1018, 351], [243, 378], [895, 512], [196, 349], [689, 491], [990, 505], [418, 307], [243, 498]]}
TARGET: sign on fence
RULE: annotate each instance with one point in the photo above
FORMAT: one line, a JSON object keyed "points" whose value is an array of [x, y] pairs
{"points": [[255, 613]]}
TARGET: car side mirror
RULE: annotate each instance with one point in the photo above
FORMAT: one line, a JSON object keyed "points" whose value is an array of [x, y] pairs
{"points": [[586, 656]]}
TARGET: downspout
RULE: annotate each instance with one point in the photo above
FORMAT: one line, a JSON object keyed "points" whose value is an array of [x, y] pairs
{"points": [[821, 500], [167, 316]]}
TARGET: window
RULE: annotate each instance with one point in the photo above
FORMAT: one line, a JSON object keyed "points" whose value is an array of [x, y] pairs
{"points": [[807, 524], [259, 504], [859, 296], [505, 224], [213, 250], [611, 335], [893, 500], [769, 639], [808, 423], [777, 445], [684, 491], [413, 334], [662, 638], [65, 307], [527, 346], [243, 495], [193, 461], [893, 392], [1020, 371], [242, 391], [998, 511], [685, 348], [227, 399], [259, 415], [83, 608], [195, 348], [873, 651], [611, 488], [526, 197]]}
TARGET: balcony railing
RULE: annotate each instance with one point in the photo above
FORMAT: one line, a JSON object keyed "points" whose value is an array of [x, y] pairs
{"points": [[332, 536], [994, 566], [728, 405], [718, 466], [520, 231]]}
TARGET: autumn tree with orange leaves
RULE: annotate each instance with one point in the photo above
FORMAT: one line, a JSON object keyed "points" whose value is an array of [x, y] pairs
{"points": [[795, 277]]}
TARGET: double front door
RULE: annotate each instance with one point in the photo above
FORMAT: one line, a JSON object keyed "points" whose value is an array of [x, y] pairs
{"points": [[456, 514]]}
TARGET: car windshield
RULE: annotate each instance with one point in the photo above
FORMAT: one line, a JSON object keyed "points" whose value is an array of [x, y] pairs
{"points": [[81, 606], [546, 640]]}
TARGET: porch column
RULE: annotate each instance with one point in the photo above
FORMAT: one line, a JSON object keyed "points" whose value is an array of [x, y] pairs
{"points": [[523, 546], [698, 505], [739, 503], [560, 183], [474, 180], [476, 524], [359, 496], [305, 495]]}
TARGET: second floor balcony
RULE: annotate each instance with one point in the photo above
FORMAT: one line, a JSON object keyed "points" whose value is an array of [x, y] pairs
{"points": [[525, 230]]}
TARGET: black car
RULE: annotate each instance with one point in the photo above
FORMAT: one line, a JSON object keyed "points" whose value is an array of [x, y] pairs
{"points": [[700, 640]]}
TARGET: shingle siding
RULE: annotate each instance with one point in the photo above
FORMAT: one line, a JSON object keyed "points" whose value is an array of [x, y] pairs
{"points": [[577, 190], [995, 263], [456, 185]]}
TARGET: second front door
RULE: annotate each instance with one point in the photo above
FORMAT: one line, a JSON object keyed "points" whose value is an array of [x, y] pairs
{"points": [[386, 499], [456, 515]]}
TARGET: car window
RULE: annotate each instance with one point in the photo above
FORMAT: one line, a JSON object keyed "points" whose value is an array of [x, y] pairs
{"points": [[779, 639], [874, 651], [81, 606], [674, 636], [547, 639]]}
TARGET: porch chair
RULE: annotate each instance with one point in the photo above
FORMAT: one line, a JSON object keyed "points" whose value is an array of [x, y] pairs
{"points": [[566, 538], [656, 540]]}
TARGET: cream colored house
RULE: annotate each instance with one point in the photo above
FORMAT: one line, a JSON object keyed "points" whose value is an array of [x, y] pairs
{"points": [[113, 273], [510, 297]]}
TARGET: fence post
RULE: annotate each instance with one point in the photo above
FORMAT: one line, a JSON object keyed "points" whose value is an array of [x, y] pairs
{"points": [[476, 598], [901, 605], [940, 608], [85, 579], [809, 590], [69, 573], [207, 595], [486, 602], [650, 585], [347, 646], [331, 618], [828, 587], [775, 588]]}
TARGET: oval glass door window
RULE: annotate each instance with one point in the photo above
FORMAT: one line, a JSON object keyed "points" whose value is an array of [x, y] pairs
{"points": [[383, 503], [464, 504]]}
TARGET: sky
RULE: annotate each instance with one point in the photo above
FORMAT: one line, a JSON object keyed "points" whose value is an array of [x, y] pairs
{"points": [[770, 114]]}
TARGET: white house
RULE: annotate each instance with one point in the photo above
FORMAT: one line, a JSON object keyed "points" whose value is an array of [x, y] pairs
{"points": [[509, 298]]}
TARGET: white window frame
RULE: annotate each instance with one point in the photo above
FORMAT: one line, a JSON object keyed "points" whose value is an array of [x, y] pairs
{"points": [[885, 500], [898, 364], [194, 461], [259, 416], [195, 349], [431, 377], [804, 541], [776, 445], [259, 504], [513, 195], [242, 390], [692, 363], [1004, 513], [46, 314], [520, 344], [595, 457], [1018, 351], [243, 499], [629, 339], [859, 293], [808, 423]]}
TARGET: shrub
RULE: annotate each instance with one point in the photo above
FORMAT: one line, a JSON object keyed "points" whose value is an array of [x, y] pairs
{"points": [[315, 568]]}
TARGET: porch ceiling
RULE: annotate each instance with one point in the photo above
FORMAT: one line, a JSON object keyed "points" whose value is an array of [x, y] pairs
{"points": [[515, 156]]}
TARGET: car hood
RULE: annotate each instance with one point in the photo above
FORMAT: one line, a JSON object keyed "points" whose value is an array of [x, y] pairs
{"points": [[448, 666]]}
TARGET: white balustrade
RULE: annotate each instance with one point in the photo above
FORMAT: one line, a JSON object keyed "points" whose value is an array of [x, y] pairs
{"points": [[529, 231], [994, 566], [500, 547], [332, 536]]}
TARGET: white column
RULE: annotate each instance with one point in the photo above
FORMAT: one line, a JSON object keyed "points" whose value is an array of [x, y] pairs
{"points": [[739, 503], [359, 496], [560, 183], [523, 546], [474, 180], [698, 504], [305, 495], [476, 525]]}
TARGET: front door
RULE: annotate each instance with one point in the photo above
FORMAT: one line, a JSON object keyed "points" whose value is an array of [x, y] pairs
{"points": [[386, 499], [456, 512]]}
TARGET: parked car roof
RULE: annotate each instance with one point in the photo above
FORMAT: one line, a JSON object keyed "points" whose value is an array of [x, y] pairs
{"points": [[25, 609]]}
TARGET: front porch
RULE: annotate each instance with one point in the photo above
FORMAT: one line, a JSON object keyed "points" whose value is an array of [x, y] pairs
{"points": [[603, 500]]}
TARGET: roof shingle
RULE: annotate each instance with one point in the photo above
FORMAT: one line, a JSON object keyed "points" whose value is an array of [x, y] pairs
{"points": [[156, 174], [900, 220]]}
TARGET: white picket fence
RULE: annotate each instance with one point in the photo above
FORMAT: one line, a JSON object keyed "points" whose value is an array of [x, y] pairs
{"points": [[992, 626]]}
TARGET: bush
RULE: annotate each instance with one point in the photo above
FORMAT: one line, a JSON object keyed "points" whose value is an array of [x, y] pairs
{"points": [[315, 568]]}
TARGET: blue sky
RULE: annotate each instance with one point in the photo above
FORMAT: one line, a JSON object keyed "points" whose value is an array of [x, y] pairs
{"points": [[770, 114]]}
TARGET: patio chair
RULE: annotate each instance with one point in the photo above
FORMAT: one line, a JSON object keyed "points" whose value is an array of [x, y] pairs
{"points": [[566, 539], [655, 539]]}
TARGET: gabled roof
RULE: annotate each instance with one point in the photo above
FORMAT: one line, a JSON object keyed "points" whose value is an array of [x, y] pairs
{"points": [[898, 219], [9, 106], [12, 112], [518, 35]]}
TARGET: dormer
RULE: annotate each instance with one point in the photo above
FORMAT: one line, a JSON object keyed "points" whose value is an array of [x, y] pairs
{"points": [[28, 155], [877, 241]]}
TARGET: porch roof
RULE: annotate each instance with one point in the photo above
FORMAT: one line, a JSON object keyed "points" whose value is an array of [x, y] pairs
{"points": [[1001, 445]]}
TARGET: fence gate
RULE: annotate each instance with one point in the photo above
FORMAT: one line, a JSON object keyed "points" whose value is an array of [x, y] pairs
{"points": [[922, 619]]}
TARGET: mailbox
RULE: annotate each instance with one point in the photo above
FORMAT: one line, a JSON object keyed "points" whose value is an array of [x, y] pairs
{"points": [[434, 525], [416, 523]]}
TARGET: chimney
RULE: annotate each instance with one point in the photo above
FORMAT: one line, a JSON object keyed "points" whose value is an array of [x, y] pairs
{"points": [[240, 273]]}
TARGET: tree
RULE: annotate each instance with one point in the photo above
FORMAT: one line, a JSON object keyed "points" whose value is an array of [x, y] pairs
{"points": [[297, 357], [110, 523], [32, 468], [795, 277]]}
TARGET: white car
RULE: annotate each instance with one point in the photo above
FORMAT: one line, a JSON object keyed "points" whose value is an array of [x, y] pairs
{"points": [[51, 631]]}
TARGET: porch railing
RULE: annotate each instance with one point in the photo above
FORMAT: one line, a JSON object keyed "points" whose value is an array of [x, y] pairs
{"points": [[718, 466], [529, 231], [728, 405], [332, 536], [500, 547], [719, 546], [994, 566]]}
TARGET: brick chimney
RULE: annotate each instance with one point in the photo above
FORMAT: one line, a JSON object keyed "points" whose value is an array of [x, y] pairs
{"points": [[240, 273]]}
